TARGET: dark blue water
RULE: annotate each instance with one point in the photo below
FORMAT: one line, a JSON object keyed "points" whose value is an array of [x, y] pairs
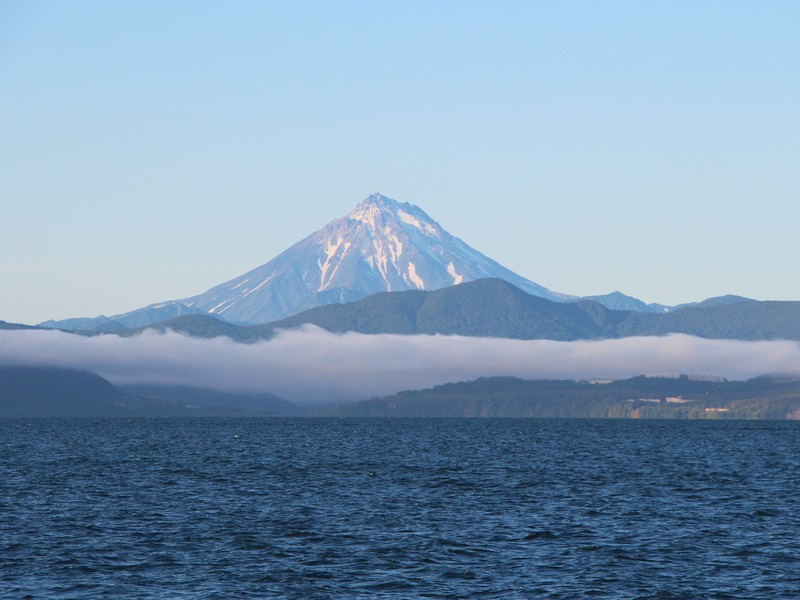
{"points": [[221, 508]]}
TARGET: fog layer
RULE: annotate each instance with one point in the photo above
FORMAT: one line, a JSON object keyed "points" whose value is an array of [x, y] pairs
{"points": [[312, 366]]}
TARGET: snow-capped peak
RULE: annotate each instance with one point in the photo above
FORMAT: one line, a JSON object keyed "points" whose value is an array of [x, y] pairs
{"points": [[377, 211], [382, 245]]}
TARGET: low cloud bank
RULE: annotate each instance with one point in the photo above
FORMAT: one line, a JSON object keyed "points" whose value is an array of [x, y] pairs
{"points": [[313, 366]]}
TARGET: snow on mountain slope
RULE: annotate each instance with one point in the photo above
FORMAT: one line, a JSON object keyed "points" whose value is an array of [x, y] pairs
{"points": [[382, 245]]}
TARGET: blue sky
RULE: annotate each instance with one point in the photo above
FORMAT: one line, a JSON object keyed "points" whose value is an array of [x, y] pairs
{"points": [[149, 150]]}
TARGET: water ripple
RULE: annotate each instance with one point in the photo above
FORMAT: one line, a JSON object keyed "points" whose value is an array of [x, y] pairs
{"points": [[321, 508]]}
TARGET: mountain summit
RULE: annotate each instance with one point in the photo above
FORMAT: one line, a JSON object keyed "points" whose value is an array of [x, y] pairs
{"points": [[382, 245]]}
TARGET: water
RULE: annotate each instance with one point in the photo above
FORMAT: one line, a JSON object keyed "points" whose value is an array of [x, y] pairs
{"points": [[326, 508]]}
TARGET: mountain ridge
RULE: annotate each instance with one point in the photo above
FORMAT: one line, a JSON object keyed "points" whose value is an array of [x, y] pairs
{"points": [[495, 308], [381, 246], [640, 397]]}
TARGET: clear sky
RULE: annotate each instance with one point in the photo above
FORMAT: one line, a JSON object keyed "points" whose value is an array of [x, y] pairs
{"points": [[150, 150]]}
